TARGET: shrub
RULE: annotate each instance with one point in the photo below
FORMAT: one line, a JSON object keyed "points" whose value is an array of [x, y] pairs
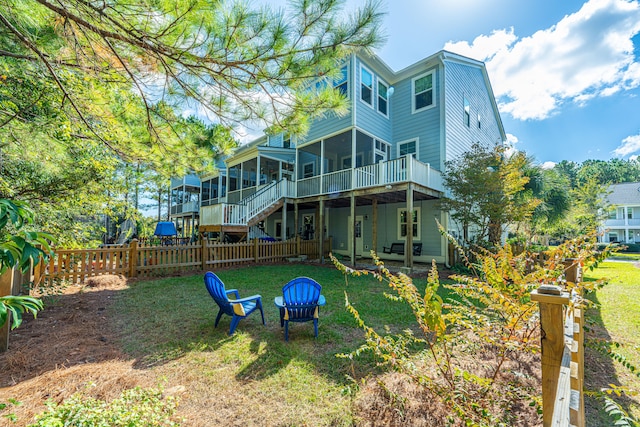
{"points": [[136, 407]]}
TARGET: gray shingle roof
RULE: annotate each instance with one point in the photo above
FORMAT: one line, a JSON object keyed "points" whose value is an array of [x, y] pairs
{"points": [[627, 193]]}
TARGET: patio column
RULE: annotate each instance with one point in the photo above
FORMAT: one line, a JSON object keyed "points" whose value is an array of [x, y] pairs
{"points": [[284, 219], [374, 231], [408, 249], [353, 229], [321, 227]]}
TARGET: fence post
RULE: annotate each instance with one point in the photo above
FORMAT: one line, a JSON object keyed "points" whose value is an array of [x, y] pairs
{"points": [[205, 253], [6, 282], [298, 245], [551, 301], [255, 249], [133, 258]]}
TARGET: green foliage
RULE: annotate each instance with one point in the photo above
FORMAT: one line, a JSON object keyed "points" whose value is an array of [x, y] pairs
{"points": [[135, 407], [490, 313], [488, 191], [19, 248]]}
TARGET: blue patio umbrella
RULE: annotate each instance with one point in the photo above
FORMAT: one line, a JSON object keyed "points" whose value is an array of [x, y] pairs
{"points": [[165, 228]]}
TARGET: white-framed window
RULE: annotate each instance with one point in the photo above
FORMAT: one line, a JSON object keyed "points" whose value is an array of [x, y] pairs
{"points": [[612, 213], [479, 122], [381, 152], [342, 82], [422, 90], [383, 98], [308, 170], [403, 223], [408, 147], [467, 112], [366, 86]]}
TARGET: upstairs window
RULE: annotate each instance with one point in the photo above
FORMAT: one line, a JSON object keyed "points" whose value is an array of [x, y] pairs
{"points": [[422, 92], [408, 147], [467, 113], [366, 86], [342, 82], [383, 98], [479, 122]]}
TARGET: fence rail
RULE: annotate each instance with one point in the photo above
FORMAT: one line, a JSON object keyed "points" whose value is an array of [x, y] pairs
{"points": [[135, 260]]}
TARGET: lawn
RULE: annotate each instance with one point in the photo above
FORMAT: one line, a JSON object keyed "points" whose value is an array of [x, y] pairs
{"points": [[102, 340], [616, 319]]}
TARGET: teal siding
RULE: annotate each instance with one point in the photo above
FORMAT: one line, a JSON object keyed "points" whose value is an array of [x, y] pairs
{"points": [[387, 227], [465, 81], [367, 116], [424, 125]]}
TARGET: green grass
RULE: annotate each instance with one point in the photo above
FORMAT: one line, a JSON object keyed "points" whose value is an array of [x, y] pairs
{"points": [[617, 319], [625, 256], [168, 326]]}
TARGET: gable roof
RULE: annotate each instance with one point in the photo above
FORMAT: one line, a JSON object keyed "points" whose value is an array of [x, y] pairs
{"points": [[624, 194]]}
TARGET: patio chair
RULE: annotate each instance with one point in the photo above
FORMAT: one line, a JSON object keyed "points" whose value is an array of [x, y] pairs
{"points": [[237, 308], [300, 302]]}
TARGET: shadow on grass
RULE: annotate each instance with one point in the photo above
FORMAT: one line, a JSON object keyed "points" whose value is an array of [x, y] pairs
{"points": [[600, 371], [164, 320]]}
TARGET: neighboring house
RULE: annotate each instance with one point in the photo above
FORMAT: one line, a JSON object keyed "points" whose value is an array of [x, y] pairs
{"points": [[623, 221], [354, 178], [184, 204]]}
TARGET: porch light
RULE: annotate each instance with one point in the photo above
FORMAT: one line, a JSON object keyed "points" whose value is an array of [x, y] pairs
{"points": [[390, 91]]}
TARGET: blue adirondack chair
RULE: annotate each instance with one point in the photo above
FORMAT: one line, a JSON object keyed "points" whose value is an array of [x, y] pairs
{"points": [[300, 302], [237, 308]]}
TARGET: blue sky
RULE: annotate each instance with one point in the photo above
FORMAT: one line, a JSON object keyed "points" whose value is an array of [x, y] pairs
{"points": [[566, 74]]}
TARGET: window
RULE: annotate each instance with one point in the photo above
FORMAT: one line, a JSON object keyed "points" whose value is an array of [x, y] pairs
{"points": [[307, 170], [612, 213], [342, 82], [383, 98], [479, 122], [467, 113], [422, 92], [366, 86], [629, 213], [402, 223], [408, 147]]}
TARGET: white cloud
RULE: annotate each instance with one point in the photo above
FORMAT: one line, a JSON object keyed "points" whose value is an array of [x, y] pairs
{"points": [[630, 145], [586, 55], [548, 165], [512, 139]]}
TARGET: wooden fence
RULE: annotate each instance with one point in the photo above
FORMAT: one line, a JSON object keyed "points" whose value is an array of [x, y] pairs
{"points": [[136, 260], [562, 322]]}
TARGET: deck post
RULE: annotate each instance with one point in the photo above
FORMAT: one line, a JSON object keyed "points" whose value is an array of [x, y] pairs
{"points": [[374, 231], [552, 343], [353, 229], [295, 226], [321, 228], [408, 247], [6, 282]]}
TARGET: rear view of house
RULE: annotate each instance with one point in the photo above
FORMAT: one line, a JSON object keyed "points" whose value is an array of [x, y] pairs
{"points": [[370, 179]]}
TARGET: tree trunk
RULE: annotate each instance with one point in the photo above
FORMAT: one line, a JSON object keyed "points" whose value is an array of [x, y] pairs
{"points": [[495, 233]]}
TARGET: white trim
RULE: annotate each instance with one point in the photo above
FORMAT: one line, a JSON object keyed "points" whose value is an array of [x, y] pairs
{"points": [[416, 139], [348, 67], [373, 89], [383, 83], [275, 229], [433, 92], [418, 222]]}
